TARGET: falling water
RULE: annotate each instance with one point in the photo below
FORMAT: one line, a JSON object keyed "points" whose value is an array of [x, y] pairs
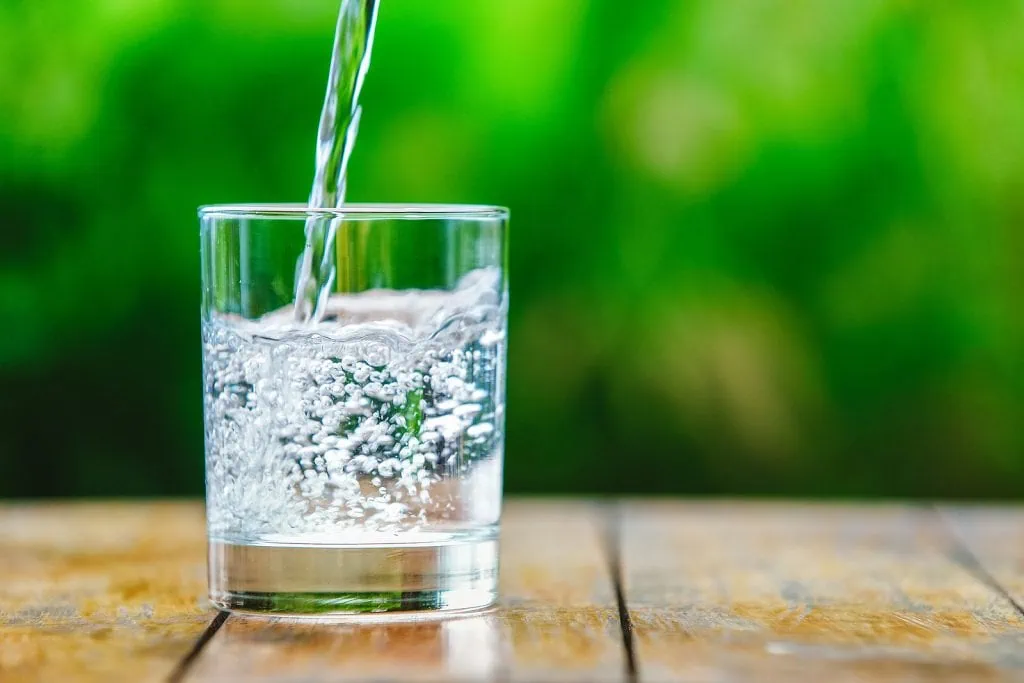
{"points": [[339, 127]]}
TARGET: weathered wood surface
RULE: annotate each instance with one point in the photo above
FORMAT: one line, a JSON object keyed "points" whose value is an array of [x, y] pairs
{"points": [[558, 622], [713, 592], [734, 591], [993, 542], [97, 592]]}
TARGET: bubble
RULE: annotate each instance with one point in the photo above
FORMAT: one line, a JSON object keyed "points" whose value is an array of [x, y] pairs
{"points": [[466, 410], [447, 406], [378, 355], [492, 337], [336, 458], [480, 430], [361, 373], [448, 426]]}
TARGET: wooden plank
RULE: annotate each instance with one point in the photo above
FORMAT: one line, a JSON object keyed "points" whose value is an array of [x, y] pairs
{"points": [[557, 622], [995, 538], [732, 591], [97, 592]]}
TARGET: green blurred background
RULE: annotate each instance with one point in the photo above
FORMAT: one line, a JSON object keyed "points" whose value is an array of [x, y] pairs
{"points": [[758, 247]]}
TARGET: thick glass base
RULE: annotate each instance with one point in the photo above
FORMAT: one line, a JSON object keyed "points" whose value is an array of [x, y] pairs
{"points": [[323, 580], [328, 604]]}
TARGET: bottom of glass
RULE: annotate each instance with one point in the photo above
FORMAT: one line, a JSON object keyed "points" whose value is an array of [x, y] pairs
{"points": [[344, 604], [298, 579]]}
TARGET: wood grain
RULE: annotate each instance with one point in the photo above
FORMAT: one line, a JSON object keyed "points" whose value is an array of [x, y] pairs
{"points": [[994, 537], [99, 592], [734, 591], [716, 592], [557, 622]]}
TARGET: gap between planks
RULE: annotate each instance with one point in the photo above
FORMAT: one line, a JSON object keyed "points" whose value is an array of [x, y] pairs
{"points": [[181, 671], [610, 521], [608, 518], [960, 553], [613, 549]]}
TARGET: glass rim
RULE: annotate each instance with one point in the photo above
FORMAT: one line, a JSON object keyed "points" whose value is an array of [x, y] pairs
{"points": [[356, 211]]}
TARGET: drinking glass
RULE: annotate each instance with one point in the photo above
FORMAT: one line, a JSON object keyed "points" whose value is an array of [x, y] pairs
{"points": [[355, 432]]}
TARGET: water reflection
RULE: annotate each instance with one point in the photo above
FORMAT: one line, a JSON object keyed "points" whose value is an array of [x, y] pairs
{"points": [[465, 648]]}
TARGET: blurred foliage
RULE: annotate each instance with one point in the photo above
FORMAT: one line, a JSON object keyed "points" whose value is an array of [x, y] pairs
{"points": [[757, 247]]}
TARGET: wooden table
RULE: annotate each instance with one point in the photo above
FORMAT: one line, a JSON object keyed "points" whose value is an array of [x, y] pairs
{"points": [[648, 591]]}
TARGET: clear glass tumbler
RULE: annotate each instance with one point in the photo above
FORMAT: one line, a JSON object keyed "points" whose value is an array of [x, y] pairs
{"points": [[354, 460]]}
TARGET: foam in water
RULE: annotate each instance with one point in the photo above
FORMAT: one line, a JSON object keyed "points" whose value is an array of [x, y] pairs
{"points": [[378, 424]]}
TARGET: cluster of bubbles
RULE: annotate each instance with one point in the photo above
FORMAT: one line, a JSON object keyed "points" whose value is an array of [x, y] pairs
{"points": [[375, 419]]}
